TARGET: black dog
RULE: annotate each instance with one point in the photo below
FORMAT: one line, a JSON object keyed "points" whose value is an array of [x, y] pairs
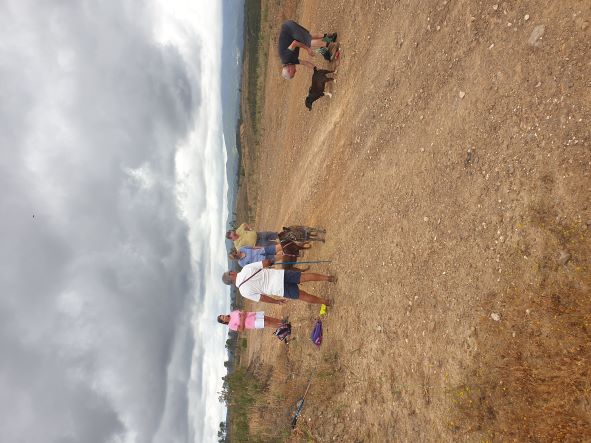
{"points": [[319, 79], [302, 234]]}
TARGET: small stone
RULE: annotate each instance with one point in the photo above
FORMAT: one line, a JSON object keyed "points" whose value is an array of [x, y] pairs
{"points": [[379, 329], [495, 316], [426, 219], [526, 18], [462, 94], [495, 7], [536, 36], [564, 258]]}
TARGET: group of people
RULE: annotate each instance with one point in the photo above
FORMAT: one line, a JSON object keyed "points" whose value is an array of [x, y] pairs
{"points": [[258, 281], [257, 252]]}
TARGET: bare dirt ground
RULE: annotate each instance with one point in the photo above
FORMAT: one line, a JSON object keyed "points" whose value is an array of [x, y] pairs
{"points": [[451, 170]]}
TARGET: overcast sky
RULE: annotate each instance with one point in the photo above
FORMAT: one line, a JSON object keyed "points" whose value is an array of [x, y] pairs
{"points": [[113, 213]]}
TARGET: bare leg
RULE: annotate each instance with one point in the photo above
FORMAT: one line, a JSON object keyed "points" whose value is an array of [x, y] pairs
{"points": [[317, 42], [309, 298], [315, 277], [271, 322]]}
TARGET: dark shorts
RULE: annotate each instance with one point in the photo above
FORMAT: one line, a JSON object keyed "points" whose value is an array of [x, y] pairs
{"points": [[291, 31], [266, 238], [270, 250], [291, 280]]}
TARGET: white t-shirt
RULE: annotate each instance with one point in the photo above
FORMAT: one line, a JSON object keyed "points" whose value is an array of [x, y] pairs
{"points": [[266, 281]]}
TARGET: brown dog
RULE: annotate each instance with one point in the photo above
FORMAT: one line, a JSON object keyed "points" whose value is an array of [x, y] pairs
{"points": [[319, 79]]}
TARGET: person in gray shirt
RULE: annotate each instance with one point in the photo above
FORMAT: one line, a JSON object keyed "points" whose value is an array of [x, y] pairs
{"points": [[292, 37]]}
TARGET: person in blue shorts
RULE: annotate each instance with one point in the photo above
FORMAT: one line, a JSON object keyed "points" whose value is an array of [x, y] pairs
{"points": [[259, 283], [292, 38]]}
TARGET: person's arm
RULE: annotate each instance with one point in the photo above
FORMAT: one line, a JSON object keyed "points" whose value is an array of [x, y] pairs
{"points": [[242, 317], [267, 263], [307, 64], [247, 227], [266, 299], [296, 44]]}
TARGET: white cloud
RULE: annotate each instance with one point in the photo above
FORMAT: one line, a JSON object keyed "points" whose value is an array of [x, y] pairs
{"points": [[113, 168]]}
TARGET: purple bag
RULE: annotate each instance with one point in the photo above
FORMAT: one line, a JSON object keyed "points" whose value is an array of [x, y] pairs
{"points": [[316, 335]]}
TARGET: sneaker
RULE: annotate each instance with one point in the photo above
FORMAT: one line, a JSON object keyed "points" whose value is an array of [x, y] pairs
{"points": [[328, 38], [325, 53], [333, 48]]}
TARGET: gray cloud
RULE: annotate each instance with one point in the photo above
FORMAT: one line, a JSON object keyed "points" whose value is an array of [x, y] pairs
{"points": [[96, 277]]}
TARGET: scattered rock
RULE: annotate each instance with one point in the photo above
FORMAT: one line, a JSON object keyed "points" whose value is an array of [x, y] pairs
{"points": [[426, 219], [536, 36], [564, 258], [495, 7], [379, 329], [495, 316], [462, 94], [526, 18]]}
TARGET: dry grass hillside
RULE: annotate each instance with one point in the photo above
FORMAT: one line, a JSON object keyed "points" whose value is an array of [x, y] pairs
{"points": [[451, 170]]}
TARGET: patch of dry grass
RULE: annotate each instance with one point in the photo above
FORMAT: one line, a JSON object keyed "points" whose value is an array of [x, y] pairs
{"points": [[531, 380]]}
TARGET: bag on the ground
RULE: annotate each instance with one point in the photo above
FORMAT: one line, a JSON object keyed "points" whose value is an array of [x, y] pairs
{"points": [[316, 335], [283, 331]]}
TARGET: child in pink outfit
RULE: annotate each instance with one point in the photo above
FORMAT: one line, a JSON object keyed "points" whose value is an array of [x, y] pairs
{"points": [[252, 320], [240, 320]]}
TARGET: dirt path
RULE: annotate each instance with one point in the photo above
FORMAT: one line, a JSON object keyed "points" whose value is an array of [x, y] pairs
{"points": [[451, 171]]}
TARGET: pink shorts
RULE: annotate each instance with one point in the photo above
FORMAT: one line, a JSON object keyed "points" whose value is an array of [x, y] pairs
{"points": [[254, 320]]}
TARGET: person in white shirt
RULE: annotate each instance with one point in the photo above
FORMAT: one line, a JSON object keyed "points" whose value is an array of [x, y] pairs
{"points": [[259, 283]]}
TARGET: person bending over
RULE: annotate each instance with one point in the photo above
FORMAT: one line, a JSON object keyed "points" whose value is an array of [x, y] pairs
{"points": [[292, 38]]}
